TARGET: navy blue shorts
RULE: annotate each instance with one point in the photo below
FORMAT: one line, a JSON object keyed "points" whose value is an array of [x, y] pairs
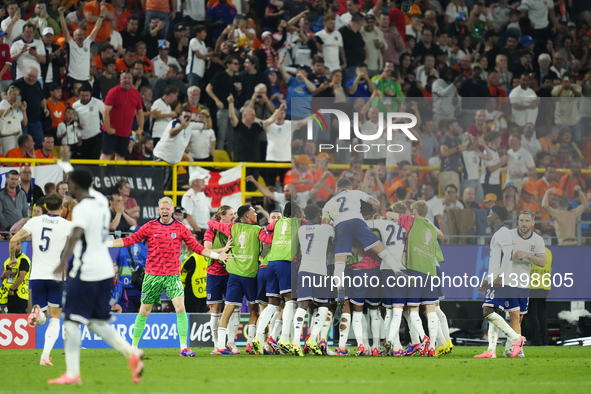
{"points": [[392, 295], [262, 286], [46, 292], [313, 287], [278, 278], [215, 288], [517, 299], [115, 144], [240, 287], [357, 229], [419, 291], [359, 295], [86, 301], [496, 297]]}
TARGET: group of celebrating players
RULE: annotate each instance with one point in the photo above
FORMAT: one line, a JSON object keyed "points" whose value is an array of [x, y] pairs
{"points": [[326, 249]]}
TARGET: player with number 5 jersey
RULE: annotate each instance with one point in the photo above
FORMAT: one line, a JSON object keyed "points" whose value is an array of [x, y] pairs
{"points": [[163, 268]]}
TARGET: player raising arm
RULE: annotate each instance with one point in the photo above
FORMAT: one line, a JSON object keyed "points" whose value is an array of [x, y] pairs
{"points": [[163, 267]]}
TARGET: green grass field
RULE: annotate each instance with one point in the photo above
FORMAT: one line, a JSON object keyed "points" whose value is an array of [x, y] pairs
{"points": [[545, 370]]}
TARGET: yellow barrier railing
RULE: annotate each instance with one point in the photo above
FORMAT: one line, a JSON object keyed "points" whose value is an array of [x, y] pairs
{"points": [[220, 165]]}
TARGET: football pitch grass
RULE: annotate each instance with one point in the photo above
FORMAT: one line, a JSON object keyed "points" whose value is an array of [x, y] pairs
{"points": [[545, 370]]}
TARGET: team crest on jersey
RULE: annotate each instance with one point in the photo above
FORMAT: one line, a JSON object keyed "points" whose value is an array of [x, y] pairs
{"points": [[532, 248], [173, 235]]}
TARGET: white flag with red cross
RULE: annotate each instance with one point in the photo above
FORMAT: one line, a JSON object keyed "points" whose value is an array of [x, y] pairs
{"points": [[222, 188]]}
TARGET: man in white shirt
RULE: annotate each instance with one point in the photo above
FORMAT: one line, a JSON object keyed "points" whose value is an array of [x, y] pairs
{"points": [[202, 142], [435, 213], [196, 203], [197, 58], [13, 24], [162, 61], [79, 48], [524, 102], [162, 112], [427, 69], [529, 140], [490, 177], [520, 165], [332, 44], [28, 52], [90, 122], [538, 12], [345, 19]]}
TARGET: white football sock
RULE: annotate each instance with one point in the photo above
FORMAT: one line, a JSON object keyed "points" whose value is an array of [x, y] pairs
{"points": [[382, 325], [389, 259], [312, 320], [364, 333], [298, 323], [344, 332], [233, 325], [394, 333], [320, 321], [273, 320], [264, 320], [72, 348], [222, 333], [388, 322], [252, 330], [415, 320], [433, 325], [108, 333], [326, 325], [288, 312], [214, 320], [51, 335], [503, 326], [493, 336], [443, 323], [441, 341], [277, 327], [375, 325], [358, 327], [42, 318], [414, 335]]}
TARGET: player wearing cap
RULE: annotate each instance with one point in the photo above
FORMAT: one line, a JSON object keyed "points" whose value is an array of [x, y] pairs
{"points": [[501, 250], [163, 267], [163, 61]]}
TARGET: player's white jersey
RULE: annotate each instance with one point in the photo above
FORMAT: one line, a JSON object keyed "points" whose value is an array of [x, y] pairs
{"points": [[49, 234], [314, 245], [346, 205], [535, 246], [92, 261], [393, 236], [501, 246]]}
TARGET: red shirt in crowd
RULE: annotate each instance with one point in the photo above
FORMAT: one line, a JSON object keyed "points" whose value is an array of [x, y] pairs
{"points": [[124, 103], [5, 58]]}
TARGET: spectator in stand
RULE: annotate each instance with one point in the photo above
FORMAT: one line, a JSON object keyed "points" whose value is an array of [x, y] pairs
{"points": [[138, 72], [446, 100], [494, 88], [529, 140], [176, 138], [69, 133], [375, 45], [567, 113], [544, 62], [301, 176], [162, 10], [289, 192], [476, 151], [450, 199], [130, 35], [565, 138], [198, 57], [13, 24], [329, 183], [431, 145], [147, 148], [521, 165], [563, 157], [548, 141], [120, 220], [78, 48], [524, 102], [528, 197], [55, 60], [92, 11], [564, 220], [24, 150], [5, 63], [480, 127], [403, 168], [196, 203], [69, 203], [569, 181], [224, 84], [426, 46], [505, 75], [162, 61], [89, 112], [162, 113], [426, 70], [202, 142], [355, 51], [389, 87], [435, 214], [510, 197], [140, 55], [490, 178], [489, 201], [41, 19], [57, 108], [129, 203], [361, 85], [393, 39], [122, 104], [170, 78], [32, 192], [251, 78], [13, 201], [192, 103], [450, 151], [127, 61], [106, 51], [14, 114], [28, 53], [46, 148], [468, 198]]}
